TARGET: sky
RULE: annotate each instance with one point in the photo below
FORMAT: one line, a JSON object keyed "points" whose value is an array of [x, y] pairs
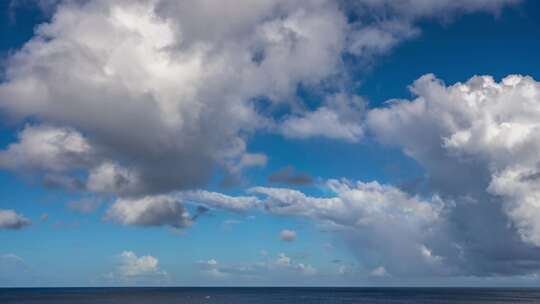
{"points": [[269, 143]]}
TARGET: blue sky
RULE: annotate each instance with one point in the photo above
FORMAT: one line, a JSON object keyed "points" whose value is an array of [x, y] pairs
{"points": [[140, 144]]}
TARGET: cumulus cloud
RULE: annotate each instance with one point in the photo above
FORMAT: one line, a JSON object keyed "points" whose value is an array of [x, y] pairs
{"points": [[188, 93], [153, 96], [282, 266], [382, 224], [46, 148], [9, 219], [339, 118], [220, 201], [109, 177], [354, 204], [132, 265], [133, 269], [158, 210], [287, 235], [478, 142], [139, 99], [58, 153], [170, 210]]}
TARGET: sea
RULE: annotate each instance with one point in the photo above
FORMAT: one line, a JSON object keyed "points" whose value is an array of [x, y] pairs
{"points": [[272, 295]]}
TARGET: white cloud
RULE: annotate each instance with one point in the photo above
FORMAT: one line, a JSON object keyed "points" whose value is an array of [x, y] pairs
{"points": [[163, 90], [380, 222], [112, 178], [133, 269], [9, 219], [169, 209], [176, 97], [287, 235], [132, 265], [281, 267], [354, 204], [479, 142], [46, 148], [150, 211], [380, 38], [219, 200], [339, 118], [142, 98]]}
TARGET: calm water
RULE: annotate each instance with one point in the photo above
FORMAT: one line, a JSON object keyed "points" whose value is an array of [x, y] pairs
{"points": [[267, 295]]}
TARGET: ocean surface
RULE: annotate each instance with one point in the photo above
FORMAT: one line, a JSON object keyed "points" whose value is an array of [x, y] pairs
{"points": [[267, 295]]}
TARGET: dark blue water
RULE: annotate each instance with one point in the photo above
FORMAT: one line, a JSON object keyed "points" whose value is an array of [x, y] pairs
{"points": [[267, 295]]}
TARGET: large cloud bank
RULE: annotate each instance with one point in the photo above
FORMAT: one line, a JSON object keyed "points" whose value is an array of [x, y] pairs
{"points": [[479, 143], [139, 99], [150, 96]]}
